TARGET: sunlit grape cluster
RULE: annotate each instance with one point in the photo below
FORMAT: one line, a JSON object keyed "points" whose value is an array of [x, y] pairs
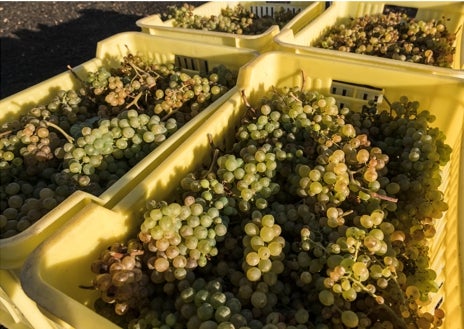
{"points": [[87, 138], [181, 237], [307, 221], [112, 148], [263, 247], [235, 20], [393, 35]]}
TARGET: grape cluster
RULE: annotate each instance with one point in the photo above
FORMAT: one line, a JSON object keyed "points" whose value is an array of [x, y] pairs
{"points": [[31, 184], [263, 247], [235, 20], [120, 277], [181, 237], [140, 84], [87, 138], [393, 35], [104, 153], [325, 219]]}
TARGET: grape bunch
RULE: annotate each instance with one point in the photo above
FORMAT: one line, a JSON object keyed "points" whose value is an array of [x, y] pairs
{"points": [[323, 219], [120, 277], [140, 84], [181, 237], [88, 137], [263, 247], [235, 20], [393, 35], [104, 153], [30, 152]]}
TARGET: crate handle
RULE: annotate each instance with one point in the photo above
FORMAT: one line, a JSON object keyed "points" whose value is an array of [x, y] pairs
{"points": [[346, 92], [192, 64], [262, 10]]}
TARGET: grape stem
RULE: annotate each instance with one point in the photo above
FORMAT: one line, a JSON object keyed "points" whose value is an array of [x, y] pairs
{"points": [[399, 323], [303, 80], [362, 286], [75, 75], [169, 114], [371, 193], [318, 244], [292, 95], [346, 213], [135, 101], [215, 155], [247, 104], [138, 69], [69, 138], [380, 196], [245, 99], [211, 143], [358, 244], [5, 133]]}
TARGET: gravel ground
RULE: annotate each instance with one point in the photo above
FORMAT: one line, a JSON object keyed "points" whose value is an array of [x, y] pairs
{"points": [[39, 39]]}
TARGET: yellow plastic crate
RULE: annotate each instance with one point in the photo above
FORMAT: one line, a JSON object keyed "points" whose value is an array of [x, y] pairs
{"points": [[262, 42], [14, 250], [54, 271], [14, 302], [302, 41], [109, 53], [17, 310]]}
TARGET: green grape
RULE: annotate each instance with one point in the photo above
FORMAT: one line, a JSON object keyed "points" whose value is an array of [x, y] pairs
{"points": [[326, 297], [350, 319]]}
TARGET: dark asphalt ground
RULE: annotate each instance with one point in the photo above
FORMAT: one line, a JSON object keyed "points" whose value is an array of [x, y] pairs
{"points": [[38, 39]]}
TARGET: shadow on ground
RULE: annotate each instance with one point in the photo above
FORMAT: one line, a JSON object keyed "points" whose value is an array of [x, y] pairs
{"points": [[35, 56]]}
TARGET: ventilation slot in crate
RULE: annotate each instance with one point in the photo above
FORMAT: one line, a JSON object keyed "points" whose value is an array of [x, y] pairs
{"points": [[410, 11], [355, 95], [191, 64], [263, 10]]}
